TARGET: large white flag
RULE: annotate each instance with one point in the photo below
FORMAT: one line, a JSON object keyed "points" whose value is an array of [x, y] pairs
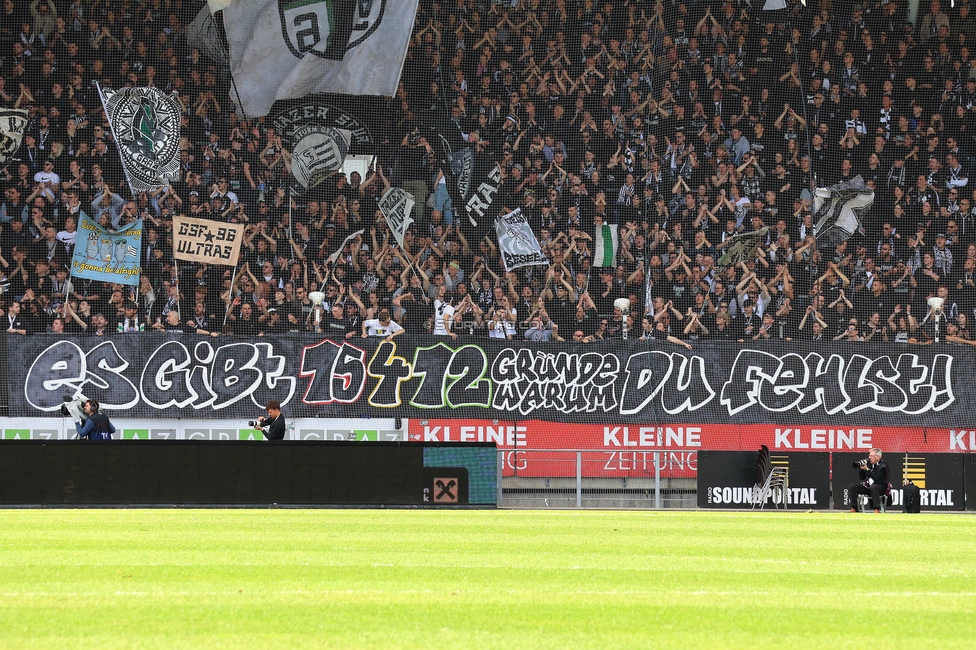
{"points": [[283, 49]]}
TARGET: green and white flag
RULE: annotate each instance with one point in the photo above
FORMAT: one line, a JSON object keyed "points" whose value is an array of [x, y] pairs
{"points": [[146, 125], [605, 245]]}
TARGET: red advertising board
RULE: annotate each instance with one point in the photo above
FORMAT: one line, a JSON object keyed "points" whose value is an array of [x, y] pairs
{"points": [[537, 448]]}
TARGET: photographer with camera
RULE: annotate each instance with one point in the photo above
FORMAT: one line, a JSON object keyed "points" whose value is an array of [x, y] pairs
{"points": [[874, 477], [273, 426], [96, 426]]}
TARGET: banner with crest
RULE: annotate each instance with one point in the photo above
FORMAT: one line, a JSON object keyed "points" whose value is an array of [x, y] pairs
{"points": [[283, 49], [146, 125]]}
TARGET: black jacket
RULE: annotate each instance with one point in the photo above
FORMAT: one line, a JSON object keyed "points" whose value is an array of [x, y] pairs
{"points": [[879, 473], [275, 428]]}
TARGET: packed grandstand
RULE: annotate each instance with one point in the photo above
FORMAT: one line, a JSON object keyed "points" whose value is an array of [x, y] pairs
{"points": [[638, 139]]}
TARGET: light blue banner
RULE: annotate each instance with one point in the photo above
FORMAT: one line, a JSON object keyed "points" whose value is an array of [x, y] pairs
{"points": [[107, 256]]}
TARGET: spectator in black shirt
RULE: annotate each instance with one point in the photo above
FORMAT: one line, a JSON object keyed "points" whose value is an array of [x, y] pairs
{"points": [[246, 323], [336, 324]]}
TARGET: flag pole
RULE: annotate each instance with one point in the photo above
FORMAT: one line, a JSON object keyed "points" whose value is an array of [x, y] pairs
{"points": [[648, 289], [176, 265], [230, 297], [416, 275], [138, 288]]}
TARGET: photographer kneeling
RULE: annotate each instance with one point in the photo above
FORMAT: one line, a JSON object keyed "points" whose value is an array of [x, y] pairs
{"points": [[874, 480], [274, 423], [97, 425]]}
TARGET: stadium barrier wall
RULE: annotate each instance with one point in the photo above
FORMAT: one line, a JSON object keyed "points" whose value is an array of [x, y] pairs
{"points": [[725, 479], [971, 482], [191, 472], [940, 477], [339, 429], [581, 478]]}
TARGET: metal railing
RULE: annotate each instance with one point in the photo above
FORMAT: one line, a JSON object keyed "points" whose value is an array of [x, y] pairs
{"points": [[597, 478]]}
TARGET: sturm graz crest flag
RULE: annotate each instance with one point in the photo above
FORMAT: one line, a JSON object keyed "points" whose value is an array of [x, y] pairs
{"points": [[357, 118], [284, 49], [146, 126], [317, 153]]}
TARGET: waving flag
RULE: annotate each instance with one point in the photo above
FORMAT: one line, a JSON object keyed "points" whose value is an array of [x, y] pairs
{"points": [[517, 243], [12, 125], [282, 49], [605, 245], [838, 210], [742, 248], [146, 126], [204, 35], [332, 259], [396, 205]]}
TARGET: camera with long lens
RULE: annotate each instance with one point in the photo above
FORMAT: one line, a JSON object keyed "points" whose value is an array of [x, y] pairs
{"points": [[860, 464], [254, 423], [73, 406]]}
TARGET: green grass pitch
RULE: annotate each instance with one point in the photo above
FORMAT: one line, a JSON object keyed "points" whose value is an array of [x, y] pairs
{"points": [[484, 579]]}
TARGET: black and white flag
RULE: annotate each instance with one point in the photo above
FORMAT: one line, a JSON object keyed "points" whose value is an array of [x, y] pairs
{"points": [[462, 166], [517, 243], [332, 259], [482, 191], [12, 125], [146, 126], [317, 153], [283, 49], [838, 210], [396, 206]]}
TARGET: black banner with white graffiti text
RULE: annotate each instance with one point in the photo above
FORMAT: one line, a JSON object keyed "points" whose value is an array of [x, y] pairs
{"points": [[171, 375]]}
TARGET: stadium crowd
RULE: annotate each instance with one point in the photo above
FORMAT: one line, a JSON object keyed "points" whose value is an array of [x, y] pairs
{"points": [[682, 124]]}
